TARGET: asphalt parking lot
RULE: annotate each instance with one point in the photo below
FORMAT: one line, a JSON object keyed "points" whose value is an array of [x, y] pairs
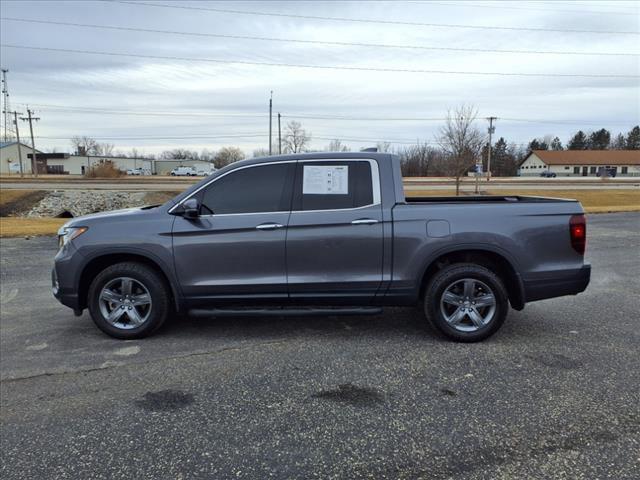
{"points": [[553, 395]]}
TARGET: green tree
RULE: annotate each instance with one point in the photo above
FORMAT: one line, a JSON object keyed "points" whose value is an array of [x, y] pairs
{"points": [[600, 139], [538, 144], [556, 144], [633, 139], [578, 142]]}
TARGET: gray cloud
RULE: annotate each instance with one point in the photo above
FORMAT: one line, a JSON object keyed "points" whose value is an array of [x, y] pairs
{"points": [[138, 84]]}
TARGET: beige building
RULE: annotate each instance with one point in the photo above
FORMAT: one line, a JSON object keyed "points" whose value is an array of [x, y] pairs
{"points": [[64, 163], [582, 163], [10, 158]]}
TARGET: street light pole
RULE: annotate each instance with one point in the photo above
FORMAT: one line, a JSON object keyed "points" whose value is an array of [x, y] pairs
{"points": [[492, 129]]}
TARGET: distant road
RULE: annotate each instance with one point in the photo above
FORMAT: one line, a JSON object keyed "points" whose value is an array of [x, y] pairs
{"points": [[411, 184]]}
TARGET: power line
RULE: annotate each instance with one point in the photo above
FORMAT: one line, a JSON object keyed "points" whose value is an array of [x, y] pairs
{"points": [[307, 116], [312, 42], [509, 7], [321, 67], [367, 20]]}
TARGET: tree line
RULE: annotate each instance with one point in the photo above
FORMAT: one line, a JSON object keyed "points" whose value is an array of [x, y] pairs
{"points": [[457, 147]]}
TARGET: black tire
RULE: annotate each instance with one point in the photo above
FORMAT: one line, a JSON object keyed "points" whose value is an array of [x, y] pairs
{"points": [[448, 276], [158, 292]]}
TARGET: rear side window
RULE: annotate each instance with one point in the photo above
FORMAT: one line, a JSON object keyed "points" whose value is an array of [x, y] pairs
{"points": [[332, 185], [250, 190]]}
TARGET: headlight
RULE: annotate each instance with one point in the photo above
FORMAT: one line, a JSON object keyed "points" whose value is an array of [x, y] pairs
{"points": [[66, 234]]}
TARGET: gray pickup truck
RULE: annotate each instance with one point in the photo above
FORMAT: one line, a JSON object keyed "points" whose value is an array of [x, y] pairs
{"points": [[323, 234]]}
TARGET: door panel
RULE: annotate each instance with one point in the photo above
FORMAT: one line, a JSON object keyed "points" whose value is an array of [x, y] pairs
{"points": [[226, 257], [335, 236], [331, 259], [234, 252]]}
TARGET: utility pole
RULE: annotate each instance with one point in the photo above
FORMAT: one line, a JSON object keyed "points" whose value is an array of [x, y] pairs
{"points": [[279, 136], [15, 121], [30, 118], [492, 129], [270, 119], [5, 109]]}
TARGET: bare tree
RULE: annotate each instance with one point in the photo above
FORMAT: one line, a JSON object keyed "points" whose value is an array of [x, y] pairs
{"points": [[384, 147], [337, 146], [461, 141], [84, 145], [179, 154], [104, 149], [295, 138], [260, 152], [207, 155], [416, 160], [227, 155]]}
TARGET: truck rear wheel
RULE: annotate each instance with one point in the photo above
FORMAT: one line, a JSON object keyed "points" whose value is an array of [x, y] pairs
{"points": [[128, 300], [466, 302]]}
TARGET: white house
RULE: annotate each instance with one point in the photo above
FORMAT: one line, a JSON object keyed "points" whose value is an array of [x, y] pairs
{"points": [[10, 158], [581, 163]]}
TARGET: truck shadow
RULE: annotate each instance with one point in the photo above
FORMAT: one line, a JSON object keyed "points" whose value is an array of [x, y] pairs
{"points": [[393, 321]]}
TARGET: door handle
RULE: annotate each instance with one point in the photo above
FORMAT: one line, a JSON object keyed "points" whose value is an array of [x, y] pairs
{"points": [[364, 221], [269, 226]]}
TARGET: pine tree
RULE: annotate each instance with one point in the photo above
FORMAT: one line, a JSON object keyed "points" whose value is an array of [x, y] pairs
{"points": [[538, 144], [578, 142], [600, 140], [633, 139], [556, 144]]}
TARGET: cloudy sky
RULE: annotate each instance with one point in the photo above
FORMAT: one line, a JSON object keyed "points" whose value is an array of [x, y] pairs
{"points": [[208, 86]]}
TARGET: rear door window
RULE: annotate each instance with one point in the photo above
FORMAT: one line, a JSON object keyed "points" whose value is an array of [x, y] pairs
{"points": [[332, 185]]}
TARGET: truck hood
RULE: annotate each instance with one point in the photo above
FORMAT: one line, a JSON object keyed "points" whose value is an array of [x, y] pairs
{"points": [[84, 219]]}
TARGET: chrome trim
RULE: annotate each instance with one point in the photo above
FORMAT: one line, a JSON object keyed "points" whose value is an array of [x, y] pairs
{"points": [[375, 185], [269, 226], [364, 221]]}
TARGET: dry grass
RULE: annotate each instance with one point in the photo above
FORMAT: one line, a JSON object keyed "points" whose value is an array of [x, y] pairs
{"points": [[23, 227], [9, 196], [104, 170]]}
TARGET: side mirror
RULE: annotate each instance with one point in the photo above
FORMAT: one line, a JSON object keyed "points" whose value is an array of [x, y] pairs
{"points": [[191, 208]]}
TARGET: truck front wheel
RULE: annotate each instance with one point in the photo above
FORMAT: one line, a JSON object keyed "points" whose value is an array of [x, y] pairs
{"points": [[128, 300], [466, 302]]}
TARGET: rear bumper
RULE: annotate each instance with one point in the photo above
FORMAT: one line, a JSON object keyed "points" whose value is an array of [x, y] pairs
{"points": [[557, 283]]}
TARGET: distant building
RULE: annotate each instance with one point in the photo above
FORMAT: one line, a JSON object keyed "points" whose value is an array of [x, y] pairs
{"points": [[65, 163], [582, 163], [10, 159]]}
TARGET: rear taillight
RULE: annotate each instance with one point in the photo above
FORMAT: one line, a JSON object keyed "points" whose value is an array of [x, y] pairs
{"points": [[578, 232]]}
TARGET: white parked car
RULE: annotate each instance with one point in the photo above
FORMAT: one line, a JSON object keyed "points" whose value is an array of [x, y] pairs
{"points": [[184, 172], [205, 173], [135, 171]]}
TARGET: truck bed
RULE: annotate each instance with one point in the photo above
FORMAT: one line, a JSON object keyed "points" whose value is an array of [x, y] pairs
{"points": [[484, 199]]}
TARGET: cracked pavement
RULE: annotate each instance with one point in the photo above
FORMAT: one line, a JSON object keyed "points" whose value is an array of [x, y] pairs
{"points": [[553, 395]]}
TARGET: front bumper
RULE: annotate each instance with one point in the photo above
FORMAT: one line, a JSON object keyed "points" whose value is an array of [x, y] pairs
{"points": [[64, 286], [557, 283]]}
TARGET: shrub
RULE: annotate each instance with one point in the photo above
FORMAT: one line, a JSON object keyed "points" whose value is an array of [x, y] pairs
{"points": [[104, 170]]}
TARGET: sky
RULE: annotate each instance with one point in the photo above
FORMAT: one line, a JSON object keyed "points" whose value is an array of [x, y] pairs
{"points": [[205, 88]]}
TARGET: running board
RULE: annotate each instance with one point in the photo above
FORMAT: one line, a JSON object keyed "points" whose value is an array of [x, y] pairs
{"points": [[283, 311]]}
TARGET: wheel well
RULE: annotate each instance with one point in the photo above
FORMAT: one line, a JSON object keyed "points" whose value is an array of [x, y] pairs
{"points": [[96, 265], [491, 260]]}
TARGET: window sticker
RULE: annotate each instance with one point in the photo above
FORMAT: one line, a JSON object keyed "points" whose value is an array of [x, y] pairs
{"points": [[325, 180]]}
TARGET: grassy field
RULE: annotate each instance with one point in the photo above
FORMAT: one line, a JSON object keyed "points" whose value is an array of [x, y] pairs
{"points": [[27, 227], [10, 196]]}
